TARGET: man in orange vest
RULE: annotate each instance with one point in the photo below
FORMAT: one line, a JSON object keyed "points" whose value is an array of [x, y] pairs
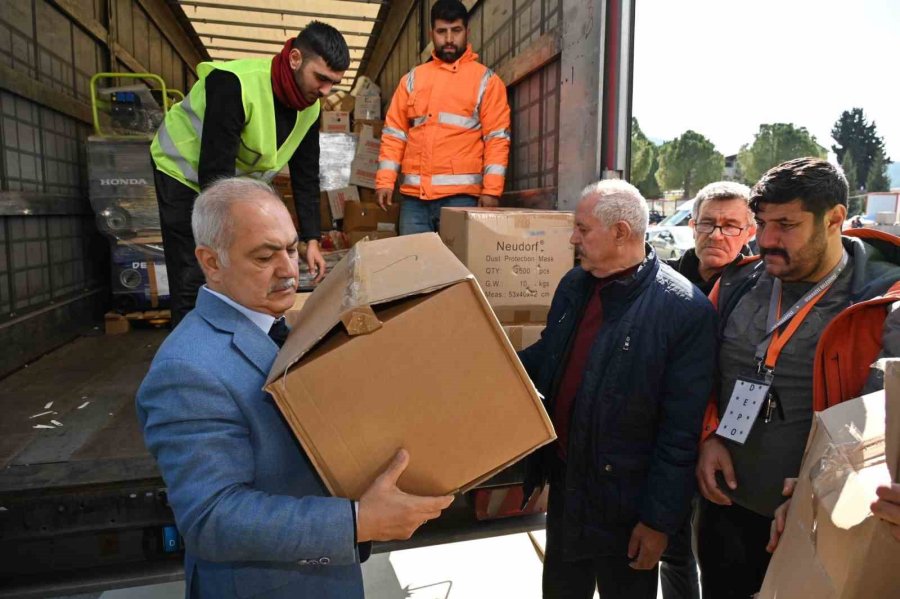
{"points": [[446, 134], [799, 329]]}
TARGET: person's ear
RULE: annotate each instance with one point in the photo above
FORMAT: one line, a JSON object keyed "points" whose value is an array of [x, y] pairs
{"points": [[209, 262], [296, 58], [834, 218], [621, 232]]}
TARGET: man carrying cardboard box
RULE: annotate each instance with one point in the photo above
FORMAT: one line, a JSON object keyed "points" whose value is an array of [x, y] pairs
{"points": [[625, 364], [447, 130], [799, 329], [255, 517]]}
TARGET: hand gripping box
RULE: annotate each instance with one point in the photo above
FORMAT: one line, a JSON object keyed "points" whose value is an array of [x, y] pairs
{"points": [[398, 347], [518, 255], [833, 547]]}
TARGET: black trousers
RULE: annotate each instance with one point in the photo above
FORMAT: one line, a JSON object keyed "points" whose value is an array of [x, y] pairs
{"points": [[566, 579], [678, 567], [731, 547], [176, 201]]}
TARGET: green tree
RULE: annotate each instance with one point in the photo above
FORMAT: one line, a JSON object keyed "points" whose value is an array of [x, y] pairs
{"points": [[773, 144], [689, 162], [644, 162], [849, 167], [878, 179], [853, 133]]}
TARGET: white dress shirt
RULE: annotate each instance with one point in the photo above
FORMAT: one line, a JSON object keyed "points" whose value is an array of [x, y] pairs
{"points": [[260, 319]]}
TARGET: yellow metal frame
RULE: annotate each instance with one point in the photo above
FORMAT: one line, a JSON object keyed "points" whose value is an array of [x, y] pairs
{"points": [[170, 96]]}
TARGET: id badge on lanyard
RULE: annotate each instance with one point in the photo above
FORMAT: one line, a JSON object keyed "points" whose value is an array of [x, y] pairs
{"points": [[752, 393]]}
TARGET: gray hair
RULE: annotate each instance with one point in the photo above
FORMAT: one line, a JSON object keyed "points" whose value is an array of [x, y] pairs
{"points": [[210, 219], [722, 190], [619, 201]]}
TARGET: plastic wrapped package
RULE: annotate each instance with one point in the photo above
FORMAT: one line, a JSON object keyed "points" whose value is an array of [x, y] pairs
{"points": [[139, 277], [120, 183], [336, 152]]}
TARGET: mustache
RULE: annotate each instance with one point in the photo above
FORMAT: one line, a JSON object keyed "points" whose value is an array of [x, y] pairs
{"points": [[763, 252], [281, 285]]}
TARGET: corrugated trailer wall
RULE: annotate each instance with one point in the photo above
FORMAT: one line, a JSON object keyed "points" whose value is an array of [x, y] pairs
{"points": [[53, 272], [520, 40]]}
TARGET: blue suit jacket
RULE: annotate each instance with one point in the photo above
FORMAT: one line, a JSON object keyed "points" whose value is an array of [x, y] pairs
{"points": [[255, 517]]}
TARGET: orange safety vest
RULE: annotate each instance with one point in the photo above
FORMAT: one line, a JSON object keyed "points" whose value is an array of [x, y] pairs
{"points": [[446, 132], [846, 349]]}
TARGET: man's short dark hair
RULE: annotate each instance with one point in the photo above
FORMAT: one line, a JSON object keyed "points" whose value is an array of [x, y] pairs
{"points": [[321, 39], [818, 184], [449, 10]]}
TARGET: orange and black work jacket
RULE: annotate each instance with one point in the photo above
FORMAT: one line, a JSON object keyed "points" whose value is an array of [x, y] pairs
{"points": [[854, 339], [446, 131]]}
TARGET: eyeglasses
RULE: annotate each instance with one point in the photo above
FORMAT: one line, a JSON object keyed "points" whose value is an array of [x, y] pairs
{"points": [[727, 230]]}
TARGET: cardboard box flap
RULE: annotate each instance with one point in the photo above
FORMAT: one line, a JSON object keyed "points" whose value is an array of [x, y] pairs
{"points": [[371, 273], [892, 417], [851, 466]]}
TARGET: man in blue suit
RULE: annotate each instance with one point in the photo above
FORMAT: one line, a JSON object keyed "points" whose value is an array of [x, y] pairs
{"points": [[255, 517]]}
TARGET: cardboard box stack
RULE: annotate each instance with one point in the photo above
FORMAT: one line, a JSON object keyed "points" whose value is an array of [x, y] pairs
{"points": [[411, 303], [518, 257], [833, 547], [365, 163], [367, 106]]}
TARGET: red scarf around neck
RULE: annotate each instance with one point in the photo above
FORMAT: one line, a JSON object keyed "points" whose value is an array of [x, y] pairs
{"points": [[283, 83]]}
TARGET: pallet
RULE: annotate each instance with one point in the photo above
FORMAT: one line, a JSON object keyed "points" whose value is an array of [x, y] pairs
{"points": [[117, 324]]}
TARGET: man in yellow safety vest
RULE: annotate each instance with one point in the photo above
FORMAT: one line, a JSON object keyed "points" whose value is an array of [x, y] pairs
{"points": [[247, 117]]}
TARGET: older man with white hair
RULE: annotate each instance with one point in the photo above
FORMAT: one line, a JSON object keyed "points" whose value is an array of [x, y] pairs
{"points": [[626, 365], [255, 517]]}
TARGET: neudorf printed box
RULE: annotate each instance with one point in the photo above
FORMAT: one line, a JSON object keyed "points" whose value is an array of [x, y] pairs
{"points": [[518, 256]]}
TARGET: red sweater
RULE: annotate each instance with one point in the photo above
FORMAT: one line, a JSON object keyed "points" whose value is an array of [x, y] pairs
{"points": [[588, 328]]}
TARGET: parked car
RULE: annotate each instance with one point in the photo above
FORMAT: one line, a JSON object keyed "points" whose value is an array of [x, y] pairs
{"points": [[671, 242]]}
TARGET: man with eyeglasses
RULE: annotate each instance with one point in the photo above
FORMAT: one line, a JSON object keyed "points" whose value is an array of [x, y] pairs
{"points": [[798, 331], [722, 224]]}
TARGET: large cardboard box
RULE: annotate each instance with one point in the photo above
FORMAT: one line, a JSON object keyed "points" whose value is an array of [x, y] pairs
{"points": [[335, 121], [832, 546], [366, 216], [517, 255], [292, 316], [523, 335], [399, 348], [376, 125], [367, 108], [354, 237], [365, 163], [338, 198]]}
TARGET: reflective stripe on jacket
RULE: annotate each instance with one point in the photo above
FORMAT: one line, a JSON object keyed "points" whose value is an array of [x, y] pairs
{"points": [[446, 131], [176, 147], [852, 341]]}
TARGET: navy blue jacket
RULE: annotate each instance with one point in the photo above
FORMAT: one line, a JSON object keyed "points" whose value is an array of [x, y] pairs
{"points": [[638, 413]]}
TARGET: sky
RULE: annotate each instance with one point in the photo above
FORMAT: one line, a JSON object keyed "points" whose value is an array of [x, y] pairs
{"points": [[723, 67]]}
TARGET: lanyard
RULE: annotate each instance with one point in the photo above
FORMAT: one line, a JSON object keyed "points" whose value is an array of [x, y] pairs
{"points": [[769, 349]]}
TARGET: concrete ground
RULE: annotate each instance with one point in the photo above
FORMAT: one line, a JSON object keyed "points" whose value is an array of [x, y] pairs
{"points": [[506, 566]]}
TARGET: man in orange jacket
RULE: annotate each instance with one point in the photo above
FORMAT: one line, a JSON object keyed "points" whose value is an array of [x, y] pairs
{"points": [[447, 130], [798, 330]]}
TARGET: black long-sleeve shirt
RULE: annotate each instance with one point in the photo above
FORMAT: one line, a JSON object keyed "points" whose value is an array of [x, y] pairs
{"points": [[223, 122]]}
